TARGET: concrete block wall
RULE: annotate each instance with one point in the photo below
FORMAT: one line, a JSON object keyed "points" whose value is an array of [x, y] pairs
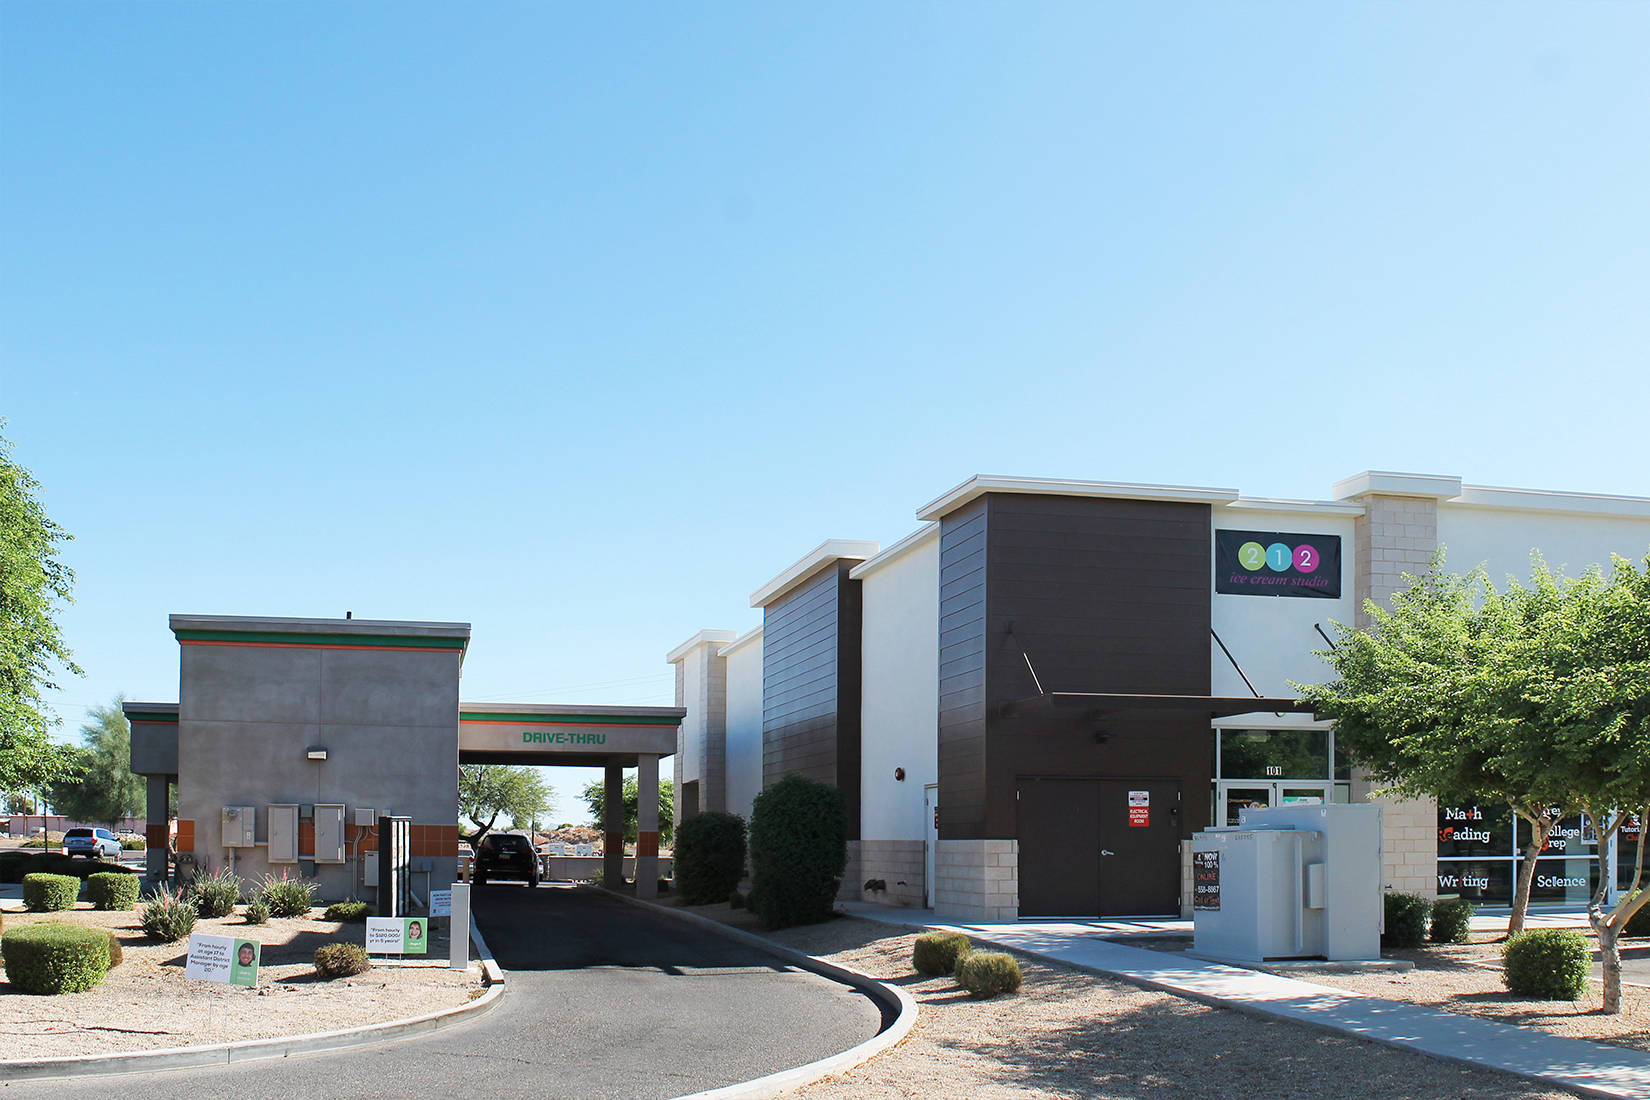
{"points": [[899, 863], [977, 880], [1394, 536], [1185, 880], [1409, 846]]}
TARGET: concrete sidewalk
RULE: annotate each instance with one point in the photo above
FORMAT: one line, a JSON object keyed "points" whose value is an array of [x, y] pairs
{"points": [[1596, 1069]]}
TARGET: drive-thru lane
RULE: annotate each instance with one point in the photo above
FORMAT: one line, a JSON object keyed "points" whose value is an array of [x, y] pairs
{"points": [[605, 999]]}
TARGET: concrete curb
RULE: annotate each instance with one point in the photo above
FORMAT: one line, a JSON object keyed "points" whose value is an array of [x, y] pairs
{"points": [[789, 1080], [283, 1046]]}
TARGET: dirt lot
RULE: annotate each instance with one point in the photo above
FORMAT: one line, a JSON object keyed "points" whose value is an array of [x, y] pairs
{"points": [[1068, 1033], [147, 1003]]}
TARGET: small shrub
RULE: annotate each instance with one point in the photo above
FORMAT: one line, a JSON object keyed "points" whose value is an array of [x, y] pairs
{"points": [[350, 912], [257, 911], [45, 893], [798, 847], [736, 900], [340, 960], [117, 954], [1452, 920], [107, 890], [52, 957], [1406, 920], [938, 952], [288, 897], [710, 856], [1639, 923], [988, 973], [168, 916], [1549, 963], [216, 895], [133, 844]]}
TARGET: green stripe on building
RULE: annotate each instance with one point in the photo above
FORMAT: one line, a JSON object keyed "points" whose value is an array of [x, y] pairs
{"points": [[573, 719]]}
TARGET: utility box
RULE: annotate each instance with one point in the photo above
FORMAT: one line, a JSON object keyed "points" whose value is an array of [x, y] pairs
{"points": [[1299, 881], [283, 833], [329, 833], [240, 826]]}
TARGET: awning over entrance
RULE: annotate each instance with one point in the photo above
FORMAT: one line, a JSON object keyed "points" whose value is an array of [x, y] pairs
{"points": [[563, 735]]}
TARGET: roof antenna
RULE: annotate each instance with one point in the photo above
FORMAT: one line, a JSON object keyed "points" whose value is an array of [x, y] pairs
{"points": [[349, 614]]}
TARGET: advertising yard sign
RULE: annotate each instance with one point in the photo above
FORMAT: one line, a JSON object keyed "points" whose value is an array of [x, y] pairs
{"points": [[397, 935], [441, 903], [223, 959]]}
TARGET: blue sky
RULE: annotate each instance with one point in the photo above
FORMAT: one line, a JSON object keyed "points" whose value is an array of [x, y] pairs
{"points": [[579, 323]]}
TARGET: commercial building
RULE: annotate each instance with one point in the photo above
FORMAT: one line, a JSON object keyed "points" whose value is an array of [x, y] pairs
{"points": [[291, 738], [1035, 699]]}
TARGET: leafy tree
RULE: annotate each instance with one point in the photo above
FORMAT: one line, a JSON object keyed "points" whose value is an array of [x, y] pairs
{"points": [[34, 586], [1431, 699], [103, 787], [594, 797], [487, 791]]}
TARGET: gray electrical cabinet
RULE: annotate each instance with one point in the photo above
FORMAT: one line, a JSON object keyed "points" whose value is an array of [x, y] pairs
{"points": [[1290, 882]]}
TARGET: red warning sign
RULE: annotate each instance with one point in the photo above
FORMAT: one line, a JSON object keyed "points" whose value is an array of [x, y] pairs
{"points": [[1140, 809]]}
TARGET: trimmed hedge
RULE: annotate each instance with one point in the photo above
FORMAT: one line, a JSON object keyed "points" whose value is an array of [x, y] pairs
{"points": [[1452, 920], [340, 960], [1549, 963], [350, 912], [988, 973], [938, 952], [799, 848], [1406, 920], [45, 893], [710, 857], [107, 890], [53, 957]]}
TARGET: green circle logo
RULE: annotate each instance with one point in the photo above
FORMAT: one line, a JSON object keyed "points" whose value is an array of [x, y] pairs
{"points": [[1252, 556]]}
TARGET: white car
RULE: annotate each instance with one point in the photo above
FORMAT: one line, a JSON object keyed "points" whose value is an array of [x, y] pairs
{"points": [[92, 843]]}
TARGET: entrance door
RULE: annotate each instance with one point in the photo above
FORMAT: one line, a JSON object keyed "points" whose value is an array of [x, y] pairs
{"points": [[1059, 830], [1139, 847], [931, 844], [1239, 794], [1099, 847]]}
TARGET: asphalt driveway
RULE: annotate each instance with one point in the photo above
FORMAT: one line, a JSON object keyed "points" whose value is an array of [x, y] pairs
{"points": [[604, 1000]]}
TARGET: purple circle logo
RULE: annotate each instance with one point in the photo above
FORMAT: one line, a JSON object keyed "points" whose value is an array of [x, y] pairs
{"points": [[1307, 558]]}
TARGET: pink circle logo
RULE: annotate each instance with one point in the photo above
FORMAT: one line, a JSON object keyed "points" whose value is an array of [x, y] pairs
{"points": [[1307, 558]]}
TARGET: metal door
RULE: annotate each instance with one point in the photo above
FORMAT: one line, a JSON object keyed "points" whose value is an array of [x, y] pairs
{"points": [[931, 842], [1139, 833], [1059, 831]]}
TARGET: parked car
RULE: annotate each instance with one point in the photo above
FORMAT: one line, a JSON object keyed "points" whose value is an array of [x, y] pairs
{"points": [[91, 843], [466, 861], [506, 855]]}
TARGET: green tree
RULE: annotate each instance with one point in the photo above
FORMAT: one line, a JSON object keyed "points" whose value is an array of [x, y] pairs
{"points": [[34, 587], [103, 788], [488, 791], [594, 797], [1431, 700]]}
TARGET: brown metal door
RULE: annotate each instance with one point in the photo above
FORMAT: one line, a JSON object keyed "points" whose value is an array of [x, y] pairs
{"points": [[1059, 829], [1139, 845]]}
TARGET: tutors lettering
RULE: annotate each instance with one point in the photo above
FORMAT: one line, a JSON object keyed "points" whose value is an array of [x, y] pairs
{"points": [[561, 737]]}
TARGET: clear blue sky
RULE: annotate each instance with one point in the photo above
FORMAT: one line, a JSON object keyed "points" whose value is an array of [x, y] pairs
{"points": [[579, 322]]}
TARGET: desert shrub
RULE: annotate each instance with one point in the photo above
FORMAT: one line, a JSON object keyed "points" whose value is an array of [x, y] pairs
{"points": [[257, 911], [988, 973], [117, 954], [350, 911], [44, 893], [52, 957], [216, 895], [799, 847], [340, 960], [133, 844], [287, 897], [107, 890], [1406, 920], [710, 857], [1452, 920], [937, 952], [1549, 963], [168, 916]]}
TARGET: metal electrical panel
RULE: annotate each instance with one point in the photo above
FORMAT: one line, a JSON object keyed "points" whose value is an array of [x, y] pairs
{"points": [[329, 833], [283, 834], [240, 826], [366, 816]]}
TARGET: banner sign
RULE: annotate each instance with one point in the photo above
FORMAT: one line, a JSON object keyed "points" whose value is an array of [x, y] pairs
{"points": [[223, 959], [1275, 563], [441, 903], [397, 936], [1206, 881]]}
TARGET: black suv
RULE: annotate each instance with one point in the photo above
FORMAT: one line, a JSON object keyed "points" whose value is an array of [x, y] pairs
{"points": [[506, 855]]}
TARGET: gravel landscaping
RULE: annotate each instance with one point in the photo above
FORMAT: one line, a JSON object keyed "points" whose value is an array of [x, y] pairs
{"points": [[147, 1003], [1069, 1033]]}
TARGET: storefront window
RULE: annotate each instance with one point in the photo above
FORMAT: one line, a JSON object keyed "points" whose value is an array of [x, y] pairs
{"points": [[1479, 857], [1273, 754]]}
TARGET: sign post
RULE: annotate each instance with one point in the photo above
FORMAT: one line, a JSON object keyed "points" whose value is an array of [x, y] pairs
{"points": [[458, 937]]}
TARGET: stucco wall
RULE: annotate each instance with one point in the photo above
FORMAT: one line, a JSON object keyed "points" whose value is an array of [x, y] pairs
{"points": [[744, 709], [1501, 540], [388, 720], [900, 692]]}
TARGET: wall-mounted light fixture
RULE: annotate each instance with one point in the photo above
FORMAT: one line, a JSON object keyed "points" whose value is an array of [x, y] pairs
{"points": [[899, 775], [316, 752]]}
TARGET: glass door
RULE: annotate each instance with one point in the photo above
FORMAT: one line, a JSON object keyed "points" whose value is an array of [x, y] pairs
{"points": [[1233, 795]]}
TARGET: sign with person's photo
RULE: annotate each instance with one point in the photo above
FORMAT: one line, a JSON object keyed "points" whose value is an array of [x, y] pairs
{"points": [[397, 936], [223, 959]]}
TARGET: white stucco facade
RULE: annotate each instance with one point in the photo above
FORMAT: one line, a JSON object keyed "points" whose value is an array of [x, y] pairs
{"points": [[744, 677]]}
